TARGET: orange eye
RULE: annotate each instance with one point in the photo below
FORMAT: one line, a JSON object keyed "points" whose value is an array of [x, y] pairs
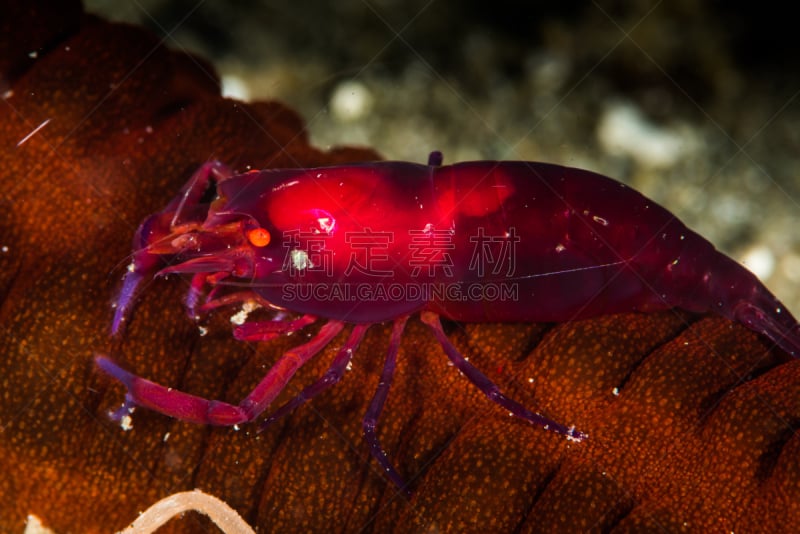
{"points": [[258, 237]]}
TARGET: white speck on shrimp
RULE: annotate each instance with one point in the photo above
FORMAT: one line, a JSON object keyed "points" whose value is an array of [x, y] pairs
{"points": [[241, 316], [327, 224], [349, 366], [615, 392], [166, 437], [4, 248], [203, 330], [300, 260], [131, 267]]}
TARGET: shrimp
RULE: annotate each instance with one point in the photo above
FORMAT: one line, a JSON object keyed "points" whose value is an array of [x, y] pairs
{"points": [[368, 243]]}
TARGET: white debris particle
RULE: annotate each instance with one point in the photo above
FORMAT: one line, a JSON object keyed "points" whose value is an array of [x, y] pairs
{"points": [[166, 437], [126, 422], [4, 248], [236, 428], [615, 392], [34, 525], [349, 366], [530, 381], [203, 330], [351, 100], [131, 267], [572, 437], [8, 94], [32, 133], [33, 54]]}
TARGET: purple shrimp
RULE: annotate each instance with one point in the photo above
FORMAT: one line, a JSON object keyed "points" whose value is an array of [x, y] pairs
{"points": [[367, 243]]}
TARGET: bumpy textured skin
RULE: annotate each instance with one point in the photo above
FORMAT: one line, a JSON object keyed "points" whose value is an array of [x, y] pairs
{"points": [[702, 432]]}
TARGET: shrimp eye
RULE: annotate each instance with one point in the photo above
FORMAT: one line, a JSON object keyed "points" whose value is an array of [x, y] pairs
{"points": [[258, 237]]}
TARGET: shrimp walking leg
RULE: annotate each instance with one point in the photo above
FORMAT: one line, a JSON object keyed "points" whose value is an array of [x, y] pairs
{"points": [[332, 376], [370, 420], [266, 330], [194, 409], [489, 388]]}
